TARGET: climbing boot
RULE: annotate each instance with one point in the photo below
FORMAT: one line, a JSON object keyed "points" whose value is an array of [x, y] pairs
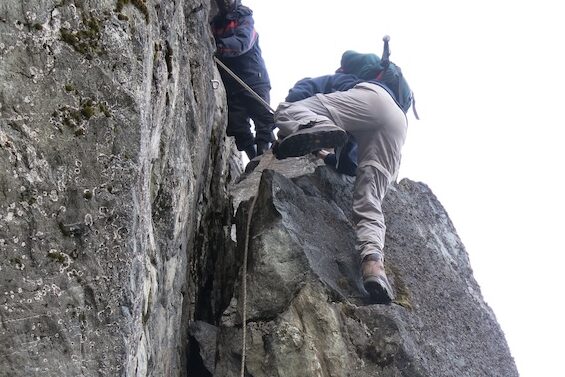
{"points": [[251, 152], [309, 138], [375, 280]]}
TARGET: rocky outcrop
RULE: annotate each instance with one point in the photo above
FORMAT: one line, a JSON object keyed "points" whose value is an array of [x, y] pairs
{"points": [[308, 314], [122, 232], [111, 152]]}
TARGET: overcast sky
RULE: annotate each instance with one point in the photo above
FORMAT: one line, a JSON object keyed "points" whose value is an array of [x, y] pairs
{"points": [[488, 78]]}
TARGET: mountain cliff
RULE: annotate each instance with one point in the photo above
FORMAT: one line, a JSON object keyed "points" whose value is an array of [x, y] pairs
{"points": [[123, 212]]}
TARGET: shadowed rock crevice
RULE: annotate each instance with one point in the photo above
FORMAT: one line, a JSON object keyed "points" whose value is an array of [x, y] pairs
{"points": [[197, 357]]}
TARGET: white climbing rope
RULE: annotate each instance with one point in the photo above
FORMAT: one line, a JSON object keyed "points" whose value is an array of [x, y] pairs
{"points": [[215, 84]]}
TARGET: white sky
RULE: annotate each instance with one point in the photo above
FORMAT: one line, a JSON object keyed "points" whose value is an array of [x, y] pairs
{"points": [[488, 78]]}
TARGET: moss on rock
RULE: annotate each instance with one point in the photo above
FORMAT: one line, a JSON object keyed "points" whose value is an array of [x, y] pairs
{"points": [[85, 40]]}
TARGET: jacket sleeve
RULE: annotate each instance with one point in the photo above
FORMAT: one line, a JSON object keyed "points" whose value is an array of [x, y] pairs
{"points": [[324, 84], [307, 87], [241, 41]]}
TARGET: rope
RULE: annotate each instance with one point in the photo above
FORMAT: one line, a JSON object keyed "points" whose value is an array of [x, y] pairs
{"points": [[247, 87], [244, 274], [248, 225]]}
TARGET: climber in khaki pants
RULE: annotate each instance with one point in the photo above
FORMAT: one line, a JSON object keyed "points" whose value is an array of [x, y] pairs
{"points": [[366, 110]]}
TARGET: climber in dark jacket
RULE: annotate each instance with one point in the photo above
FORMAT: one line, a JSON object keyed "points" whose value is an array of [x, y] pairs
{"points": [[237, 45]]}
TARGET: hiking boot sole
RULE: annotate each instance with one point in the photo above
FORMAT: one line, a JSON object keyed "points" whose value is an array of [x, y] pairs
{"points": [[379, 290], [308, 140]]}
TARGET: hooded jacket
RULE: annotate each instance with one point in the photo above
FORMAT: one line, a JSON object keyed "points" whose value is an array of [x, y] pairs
{"points": [[237, 45]]}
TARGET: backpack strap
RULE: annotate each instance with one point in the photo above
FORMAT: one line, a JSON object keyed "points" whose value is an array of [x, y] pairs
{"points": [[414, 107]]}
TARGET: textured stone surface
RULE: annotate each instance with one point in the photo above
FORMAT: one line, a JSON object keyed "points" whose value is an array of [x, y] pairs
{"points": [[121, 238], [204, 339], [308, 314], [111, 148]]}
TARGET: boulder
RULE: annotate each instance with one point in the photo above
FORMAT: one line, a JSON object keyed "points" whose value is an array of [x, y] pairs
{"points": [[307, 312]]}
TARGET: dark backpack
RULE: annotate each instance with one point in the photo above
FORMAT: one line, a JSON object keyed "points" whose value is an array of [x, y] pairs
{"points": [[372, 68], [391, 76]]}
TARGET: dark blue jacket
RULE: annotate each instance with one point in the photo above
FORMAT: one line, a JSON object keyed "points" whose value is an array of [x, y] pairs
{"points": [[345, 159], [338, 82], [237, 45]]}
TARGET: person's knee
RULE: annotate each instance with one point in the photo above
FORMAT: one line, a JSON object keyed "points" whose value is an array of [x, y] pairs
{"points": [[282, 112]]}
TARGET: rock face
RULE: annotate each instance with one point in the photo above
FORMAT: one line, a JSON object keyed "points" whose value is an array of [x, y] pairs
{"points": [[122, 230], [111, 150], [307, 312]]}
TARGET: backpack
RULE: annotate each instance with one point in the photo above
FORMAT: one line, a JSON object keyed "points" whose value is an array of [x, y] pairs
{"points": [[371, 67], [391, 76]]}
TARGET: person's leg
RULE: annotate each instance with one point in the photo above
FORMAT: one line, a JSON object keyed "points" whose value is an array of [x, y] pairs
{"points": [[304, 126], [263, 119], [379, 126], [369, 191], [239, 127], [290, 116], [359, 111], [379, 151]]}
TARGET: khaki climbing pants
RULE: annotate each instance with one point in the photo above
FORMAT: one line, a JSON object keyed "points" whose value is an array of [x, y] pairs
{"points": [[379, 126]]}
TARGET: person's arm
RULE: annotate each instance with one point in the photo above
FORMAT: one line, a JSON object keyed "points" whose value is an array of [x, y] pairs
{"points": [[242, 40], [308, 86]]}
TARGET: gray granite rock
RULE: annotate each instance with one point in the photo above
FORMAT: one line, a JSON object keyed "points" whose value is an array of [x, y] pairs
{"points": [[111, 147], [122, 230], [307, 312]]}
